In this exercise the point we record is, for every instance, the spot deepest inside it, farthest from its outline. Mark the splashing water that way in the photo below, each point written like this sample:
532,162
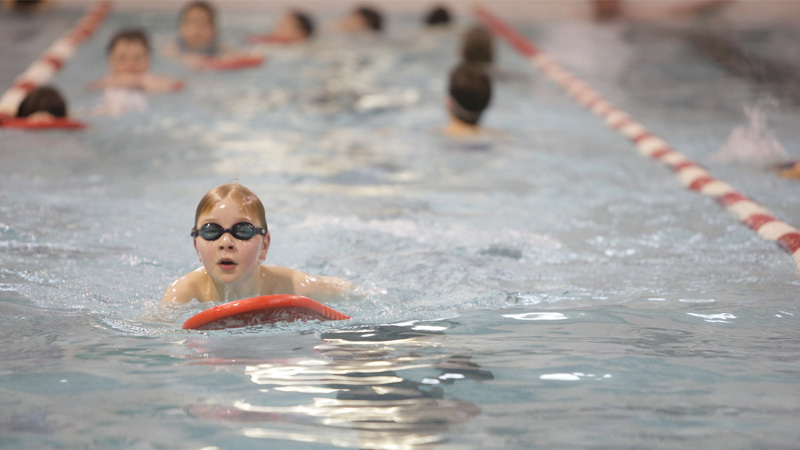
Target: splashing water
752,142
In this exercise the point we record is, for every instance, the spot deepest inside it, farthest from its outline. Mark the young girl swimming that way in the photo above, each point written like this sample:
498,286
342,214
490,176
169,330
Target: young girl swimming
231,238
197,32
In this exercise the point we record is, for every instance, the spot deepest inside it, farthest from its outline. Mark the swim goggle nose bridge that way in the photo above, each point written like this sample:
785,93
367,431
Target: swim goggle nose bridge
242,231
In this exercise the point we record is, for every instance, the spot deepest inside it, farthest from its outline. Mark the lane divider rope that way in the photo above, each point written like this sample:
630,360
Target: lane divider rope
54,58
691,175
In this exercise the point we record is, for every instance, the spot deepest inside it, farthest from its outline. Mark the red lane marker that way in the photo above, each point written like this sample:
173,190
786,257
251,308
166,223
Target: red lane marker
662,153
698,184
54,61
757,221
750,213
684,165
25,85
790,242
732,198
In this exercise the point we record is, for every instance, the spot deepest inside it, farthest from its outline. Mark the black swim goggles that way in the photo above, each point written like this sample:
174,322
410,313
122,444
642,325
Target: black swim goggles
242,231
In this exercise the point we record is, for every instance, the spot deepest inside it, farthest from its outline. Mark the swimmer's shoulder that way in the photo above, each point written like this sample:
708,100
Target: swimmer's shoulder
279,280
192,286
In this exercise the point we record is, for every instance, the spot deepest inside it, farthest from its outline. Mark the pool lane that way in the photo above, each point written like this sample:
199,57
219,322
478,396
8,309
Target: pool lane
691,174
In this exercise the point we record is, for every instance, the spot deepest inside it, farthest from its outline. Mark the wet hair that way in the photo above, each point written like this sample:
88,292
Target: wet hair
205,6
244,197
438,16
471,90
373,18
305,22
477,46
43,98
129,34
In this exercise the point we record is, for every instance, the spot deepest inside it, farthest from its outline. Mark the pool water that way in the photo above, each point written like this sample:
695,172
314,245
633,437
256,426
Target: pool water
543,288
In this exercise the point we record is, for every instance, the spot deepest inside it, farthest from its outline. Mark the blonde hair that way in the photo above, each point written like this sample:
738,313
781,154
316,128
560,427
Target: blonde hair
244,197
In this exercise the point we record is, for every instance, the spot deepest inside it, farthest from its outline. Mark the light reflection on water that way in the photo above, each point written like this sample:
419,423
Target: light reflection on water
372,388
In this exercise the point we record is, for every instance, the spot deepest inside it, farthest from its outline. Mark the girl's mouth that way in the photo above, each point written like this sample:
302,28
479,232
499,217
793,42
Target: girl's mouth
226,264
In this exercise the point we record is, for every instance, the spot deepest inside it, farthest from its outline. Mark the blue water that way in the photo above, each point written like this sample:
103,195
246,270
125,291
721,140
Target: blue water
547,288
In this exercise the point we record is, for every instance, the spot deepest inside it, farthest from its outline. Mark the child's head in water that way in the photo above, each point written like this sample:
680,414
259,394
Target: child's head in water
237,212
43,101
470,91
363,18
295,25
129,52
438,16
197,29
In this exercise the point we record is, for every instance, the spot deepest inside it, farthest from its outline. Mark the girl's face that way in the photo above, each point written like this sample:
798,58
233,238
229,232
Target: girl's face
196,29
129,56
228,260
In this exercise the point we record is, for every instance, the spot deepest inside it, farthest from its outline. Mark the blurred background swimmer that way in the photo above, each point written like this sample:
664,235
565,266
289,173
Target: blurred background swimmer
42,108
197,34
27,6
43,104
363,18
128,76
439,16
198,45
128,55
293,27
470,90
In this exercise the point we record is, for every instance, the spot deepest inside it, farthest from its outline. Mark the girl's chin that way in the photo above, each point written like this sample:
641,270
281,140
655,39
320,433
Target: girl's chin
227,277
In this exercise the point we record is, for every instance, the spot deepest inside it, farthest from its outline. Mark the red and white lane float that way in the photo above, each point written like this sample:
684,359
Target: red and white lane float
691,174
54,58
264,310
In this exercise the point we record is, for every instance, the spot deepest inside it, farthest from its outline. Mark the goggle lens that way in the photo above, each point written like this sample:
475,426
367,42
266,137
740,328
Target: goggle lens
242,231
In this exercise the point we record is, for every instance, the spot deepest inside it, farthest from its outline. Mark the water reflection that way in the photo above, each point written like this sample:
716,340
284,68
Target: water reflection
379,388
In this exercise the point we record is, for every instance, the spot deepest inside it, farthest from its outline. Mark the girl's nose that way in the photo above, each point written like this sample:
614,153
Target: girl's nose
226,241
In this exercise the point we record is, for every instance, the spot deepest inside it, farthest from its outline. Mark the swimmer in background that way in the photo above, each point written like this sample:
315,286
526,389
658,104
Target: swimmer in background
128,55
361,19
197,34
470,91
43,104
293,27
27,6
198,37
439,16
231,239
